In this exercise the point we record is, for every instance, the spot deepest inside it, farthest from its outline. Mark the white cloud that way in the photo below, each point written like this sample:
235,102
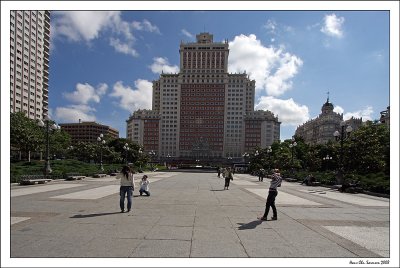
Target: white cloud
86,26
132,99
333,25
125,48
72,114
85,93
365,114
272,68
162,65
82,25
186,33
338,109
288,112
271,26
145,25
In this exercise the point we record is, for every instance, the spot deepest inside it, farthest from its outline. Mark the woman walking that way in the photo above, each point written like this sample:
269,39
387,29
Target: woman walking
127,187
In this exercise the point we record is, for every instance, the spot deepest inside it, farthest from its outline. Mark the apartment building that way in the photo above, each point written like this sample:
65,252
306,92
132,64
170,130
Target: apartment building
29,62
88,131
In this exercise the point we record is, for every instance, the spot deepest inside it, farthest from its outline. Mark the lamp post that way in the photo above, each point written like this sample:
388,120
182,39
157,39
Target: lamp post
291,146
152,155
126,148
47,169
327,158
245,156
102,142
140,158
168,158
269,151
341,136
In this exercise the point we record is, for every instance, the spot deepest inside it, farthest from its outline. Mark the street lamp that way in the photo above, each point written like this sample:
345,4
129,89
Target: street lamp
152,155
168,158
291,146
102,142
341,136
140,157
327,158
269,151
47,168
126,148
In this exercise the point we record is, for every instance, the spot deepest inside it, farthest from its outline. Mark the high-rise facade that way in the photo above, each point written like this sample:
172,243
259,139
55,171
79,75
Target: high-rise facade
204,112
29,62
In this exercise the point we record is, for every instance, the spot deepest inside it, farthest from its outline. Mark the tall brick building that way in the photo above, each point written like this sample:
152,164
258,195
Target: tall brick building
203,112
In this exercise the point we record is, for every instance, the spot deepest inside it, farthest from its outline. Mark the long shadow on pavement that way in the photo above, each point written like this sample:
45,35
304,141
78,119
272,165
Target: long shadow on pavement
250,225
94,215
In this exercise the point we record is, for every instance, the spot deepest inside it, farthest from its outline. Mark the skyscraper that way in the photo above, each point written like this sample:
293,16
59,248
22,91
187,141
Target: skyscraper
29,62
203,112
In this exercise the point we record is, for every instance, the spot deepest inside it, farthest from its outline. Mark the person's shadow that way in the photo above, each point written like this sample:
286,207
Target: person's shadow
250,225
80,216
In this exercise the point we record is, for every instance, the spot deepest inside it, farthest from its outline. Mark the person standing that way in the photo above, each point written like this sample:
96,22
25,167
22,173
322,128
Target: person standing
126,188
144,186
261,175
272,193
228,177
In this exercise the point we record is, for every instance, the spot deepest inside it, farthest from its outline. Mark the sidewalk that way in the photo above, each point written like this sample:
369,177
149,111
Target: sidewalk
189,215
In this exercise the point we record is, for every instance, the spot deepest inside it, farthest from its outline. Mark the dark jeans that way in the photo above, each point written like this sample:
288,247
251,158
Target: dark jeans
227,180
271,203
128,190
143,191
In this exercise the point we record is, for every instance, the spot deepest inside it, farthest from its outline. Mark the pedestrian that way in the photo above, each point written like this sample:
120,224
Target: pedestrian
228,177
261,175
272,193
219,172
127,187
144,186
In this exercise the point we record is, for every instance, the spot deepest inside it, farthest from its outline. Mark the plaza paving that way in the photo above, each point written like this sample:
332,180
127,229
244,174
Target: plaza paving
189,215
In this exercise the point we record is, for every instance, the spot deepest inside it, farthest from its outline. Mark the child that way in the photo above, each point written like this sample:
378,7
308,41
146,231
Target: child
144,186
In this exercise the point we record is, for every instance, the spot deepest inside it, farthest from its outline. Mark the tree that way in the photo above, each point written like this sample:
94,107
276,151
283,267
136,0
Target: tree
368,151
59,142
25,134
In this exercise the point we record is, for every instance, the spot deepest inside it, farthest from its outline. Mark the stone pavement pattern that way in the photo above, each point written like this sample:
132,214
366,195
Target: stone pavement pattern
190,215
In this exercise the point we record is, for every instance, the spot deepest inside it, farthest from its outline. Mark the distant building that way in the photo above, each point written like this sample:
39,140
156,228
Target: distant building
385,116
143,126
320,130
203,112
88,131
29,62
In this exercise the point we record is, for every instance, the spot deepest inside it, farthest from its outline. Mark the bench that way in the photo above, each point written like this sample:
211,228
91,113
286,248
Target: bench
74,176
32,179
290,179
99,175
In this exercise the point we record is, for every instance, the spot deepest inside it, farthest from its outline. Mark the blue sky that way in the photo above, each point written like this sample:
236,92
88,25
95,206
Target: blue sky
102,62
